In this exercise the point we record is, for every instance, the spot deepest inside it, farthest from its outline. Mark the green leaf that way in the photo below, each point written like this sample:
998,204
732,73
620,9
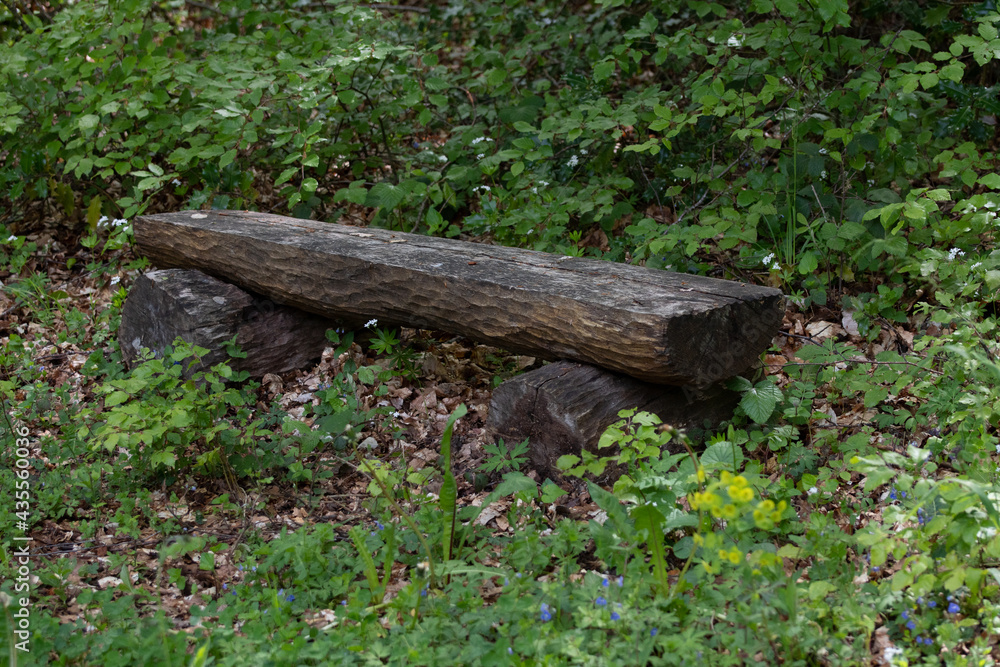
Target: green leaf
875,396
287,174
604,69
115,398
884,195
227,158
385,196
88,122
808,263
447,496
496,76
991,181
649,519
760,401
335,423
725,455
851,230
551,492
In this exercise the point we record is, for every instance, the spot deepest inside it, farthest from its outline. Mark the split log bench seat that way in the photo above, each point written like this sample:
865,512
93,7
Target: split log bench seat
658,327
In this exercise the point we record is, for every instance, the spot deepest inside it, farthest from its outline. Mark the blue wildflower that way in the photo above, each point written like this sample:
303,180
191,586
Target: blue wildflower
510,651
910,625
606,582
546,614
600,601
653,632
928,641
621,580
423,592
905,614
932,604
379,525
615,616
953,608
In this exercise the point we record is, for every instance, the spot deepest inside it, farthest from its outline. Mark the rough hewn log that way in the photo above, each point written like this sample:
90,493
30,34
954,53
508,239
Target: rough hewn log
564,407
207,312
655,325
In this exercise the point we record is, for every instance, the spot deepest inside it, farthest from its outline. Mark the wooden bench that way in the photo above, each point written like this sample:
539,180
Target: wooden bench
616,321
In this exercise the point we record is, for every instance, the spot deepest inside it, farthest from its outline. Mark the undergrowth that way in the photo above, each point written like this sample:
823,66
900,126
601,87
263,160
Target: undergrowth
847,513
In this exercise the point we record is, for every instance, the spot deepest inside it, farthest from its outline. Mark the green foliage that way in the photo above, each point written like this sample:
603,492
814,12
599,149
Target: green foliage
841,151
161,421
133,97
501,458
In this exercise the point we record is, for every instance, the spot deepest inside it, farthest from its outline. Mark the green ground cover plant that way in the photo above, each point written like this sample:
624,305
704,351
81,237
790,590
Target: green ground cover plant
847,514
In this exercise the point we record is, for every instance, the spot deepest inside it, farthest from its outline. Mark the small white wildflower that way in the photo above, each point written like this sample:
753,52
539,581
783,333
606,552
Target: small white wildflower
371,323
543,183
735,40
822,174
573,161
768,259
534,191
583,151
118,222
115,280
485,188
11,238
395,414
102,221
973,268
480,156
442,158
823,151
953,253
812,491
175,182
871,182
478,140
889,654
546,21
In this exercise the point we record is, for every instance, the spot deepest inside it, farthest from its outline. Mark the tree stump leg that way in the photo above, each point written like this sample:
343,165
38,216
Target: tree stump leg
164,305
564,407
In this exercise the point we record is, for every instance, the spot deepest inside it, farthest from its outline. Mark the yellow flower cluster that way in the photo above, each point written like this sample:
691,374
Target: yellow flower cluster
737,489
730,497
767,513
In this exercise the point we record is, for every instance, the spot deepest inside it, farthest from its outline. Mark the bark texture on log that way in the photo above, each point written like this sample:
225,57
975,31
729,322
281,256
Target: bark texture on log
654,325
207,312
564,407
